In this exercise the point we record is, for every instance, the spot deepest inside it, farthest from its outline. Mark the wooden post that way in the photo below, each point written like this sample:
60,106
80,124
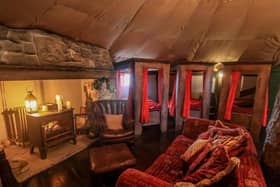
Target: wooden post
207,92
165,98
138,74
180,90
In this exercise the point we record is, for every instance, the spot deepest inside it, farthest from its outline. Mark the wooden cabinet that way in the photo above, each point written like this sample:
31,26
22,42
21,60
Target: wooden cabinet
47,129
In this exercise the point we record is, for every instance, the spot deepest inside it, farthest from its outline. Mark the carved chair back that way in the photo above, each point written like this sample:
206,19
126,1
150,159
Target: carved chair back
101,107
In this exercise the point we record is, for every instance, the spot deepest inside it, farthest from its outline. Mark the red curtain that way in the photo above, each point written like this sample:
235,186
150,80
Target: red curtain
144,118
171,103
265,111
187,98
235,76
122,83
160,79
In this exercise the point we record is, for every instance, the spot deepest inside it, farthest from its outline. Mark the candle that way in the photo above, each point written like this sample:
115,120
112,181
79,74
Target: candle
44,108
68,105
58,99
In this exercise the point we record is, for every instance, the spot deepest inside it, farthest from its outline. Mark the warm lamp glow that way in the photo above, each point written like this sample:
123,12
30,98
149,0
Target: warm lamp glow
220,74
217,67
31,103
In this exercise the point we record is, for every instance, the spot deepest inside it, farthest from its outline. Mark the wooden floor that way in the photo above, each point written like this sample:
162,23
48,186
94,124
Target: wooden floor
75,172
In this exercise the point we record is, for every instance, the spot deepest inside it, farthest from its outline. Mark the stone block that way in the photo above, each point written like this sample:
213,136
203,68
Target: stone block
19,35
20,46
28,48
19,58
7,45
49,49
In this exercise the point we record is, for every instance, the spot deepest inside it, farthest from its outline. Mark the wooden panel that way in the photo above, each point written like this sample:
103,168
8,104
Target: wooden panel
168,17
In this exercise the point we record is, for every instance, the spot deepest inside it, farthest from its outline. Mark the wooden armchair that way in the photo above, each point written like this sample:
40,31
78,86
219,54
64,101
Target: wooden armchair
97,118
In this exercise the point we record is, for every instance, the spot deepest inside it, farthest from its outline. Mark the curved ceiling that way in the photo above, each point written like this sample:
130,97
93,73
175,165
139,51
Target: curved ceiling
196,30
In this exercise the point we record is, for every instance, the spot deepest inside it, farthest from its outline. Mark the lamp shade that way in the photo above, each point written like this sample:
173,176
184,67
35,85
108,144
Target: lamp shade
31,103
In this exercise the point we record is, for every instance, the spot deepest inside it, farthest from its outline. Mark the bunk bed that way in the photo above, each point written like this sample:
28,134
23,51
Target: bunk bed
186,104
235,107
146,110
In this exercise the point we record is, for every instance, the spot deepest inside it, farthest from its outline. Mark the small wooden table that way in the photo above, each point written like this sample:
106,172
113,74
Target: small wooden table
38,128
110,158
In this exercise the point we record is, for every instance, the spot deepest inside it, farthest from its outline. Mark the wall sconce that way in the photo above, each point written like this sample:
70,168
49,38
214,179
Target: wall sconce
217,67
31,103
220,74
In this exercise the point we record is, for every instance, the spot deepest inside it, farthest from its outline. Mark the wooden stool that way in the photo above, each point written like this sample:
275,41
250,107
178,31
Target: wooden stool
109,158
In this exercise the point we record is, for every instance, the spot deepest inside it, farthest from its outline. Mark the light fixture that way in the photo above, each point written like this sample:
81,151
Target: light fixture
220,74
31,103
217,67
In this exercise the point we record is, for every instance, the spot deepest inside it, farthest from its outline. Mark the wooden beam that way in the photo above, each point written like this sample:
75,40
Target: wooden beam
19,73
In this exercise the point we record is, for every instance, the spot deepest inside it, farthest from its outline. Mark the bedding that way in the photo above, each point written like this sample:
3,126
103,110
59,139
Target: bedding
153,106
196,104
243,110
243,105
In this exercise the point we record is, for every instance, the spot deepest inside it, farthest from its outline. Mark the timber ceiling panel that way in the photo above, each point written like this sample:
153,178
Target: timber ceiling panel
197,30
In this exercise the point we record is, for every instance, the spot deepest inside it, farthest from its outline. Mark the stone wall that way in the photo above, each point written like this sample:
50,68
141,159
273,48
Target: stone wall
271,149
41,49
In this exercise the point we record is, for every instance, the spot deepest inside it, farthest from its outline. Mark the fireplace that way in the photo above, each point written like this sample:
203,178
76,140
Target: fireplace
48,129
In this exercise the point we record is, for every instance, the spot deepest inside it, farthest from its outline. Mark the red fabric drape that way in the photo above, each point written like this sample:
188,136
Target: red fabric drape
171,103
187,98
235,76
160,77
265,111
144,118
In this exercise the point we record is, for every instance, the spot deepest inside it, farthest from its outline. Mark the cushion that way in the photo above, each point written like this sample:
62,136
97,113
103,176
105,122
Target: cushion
196,147
108,133
234,161
215,162
179,146
167,168
114,121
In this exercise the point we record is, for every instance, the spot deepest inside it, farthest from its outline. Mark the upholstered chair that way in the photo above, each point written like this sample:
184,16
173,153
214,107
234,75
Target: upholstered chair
97,116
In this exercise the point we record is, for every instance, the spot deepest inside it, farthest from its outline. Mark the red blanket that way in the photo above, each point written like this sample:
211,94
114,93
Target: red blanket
153,106
196,104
